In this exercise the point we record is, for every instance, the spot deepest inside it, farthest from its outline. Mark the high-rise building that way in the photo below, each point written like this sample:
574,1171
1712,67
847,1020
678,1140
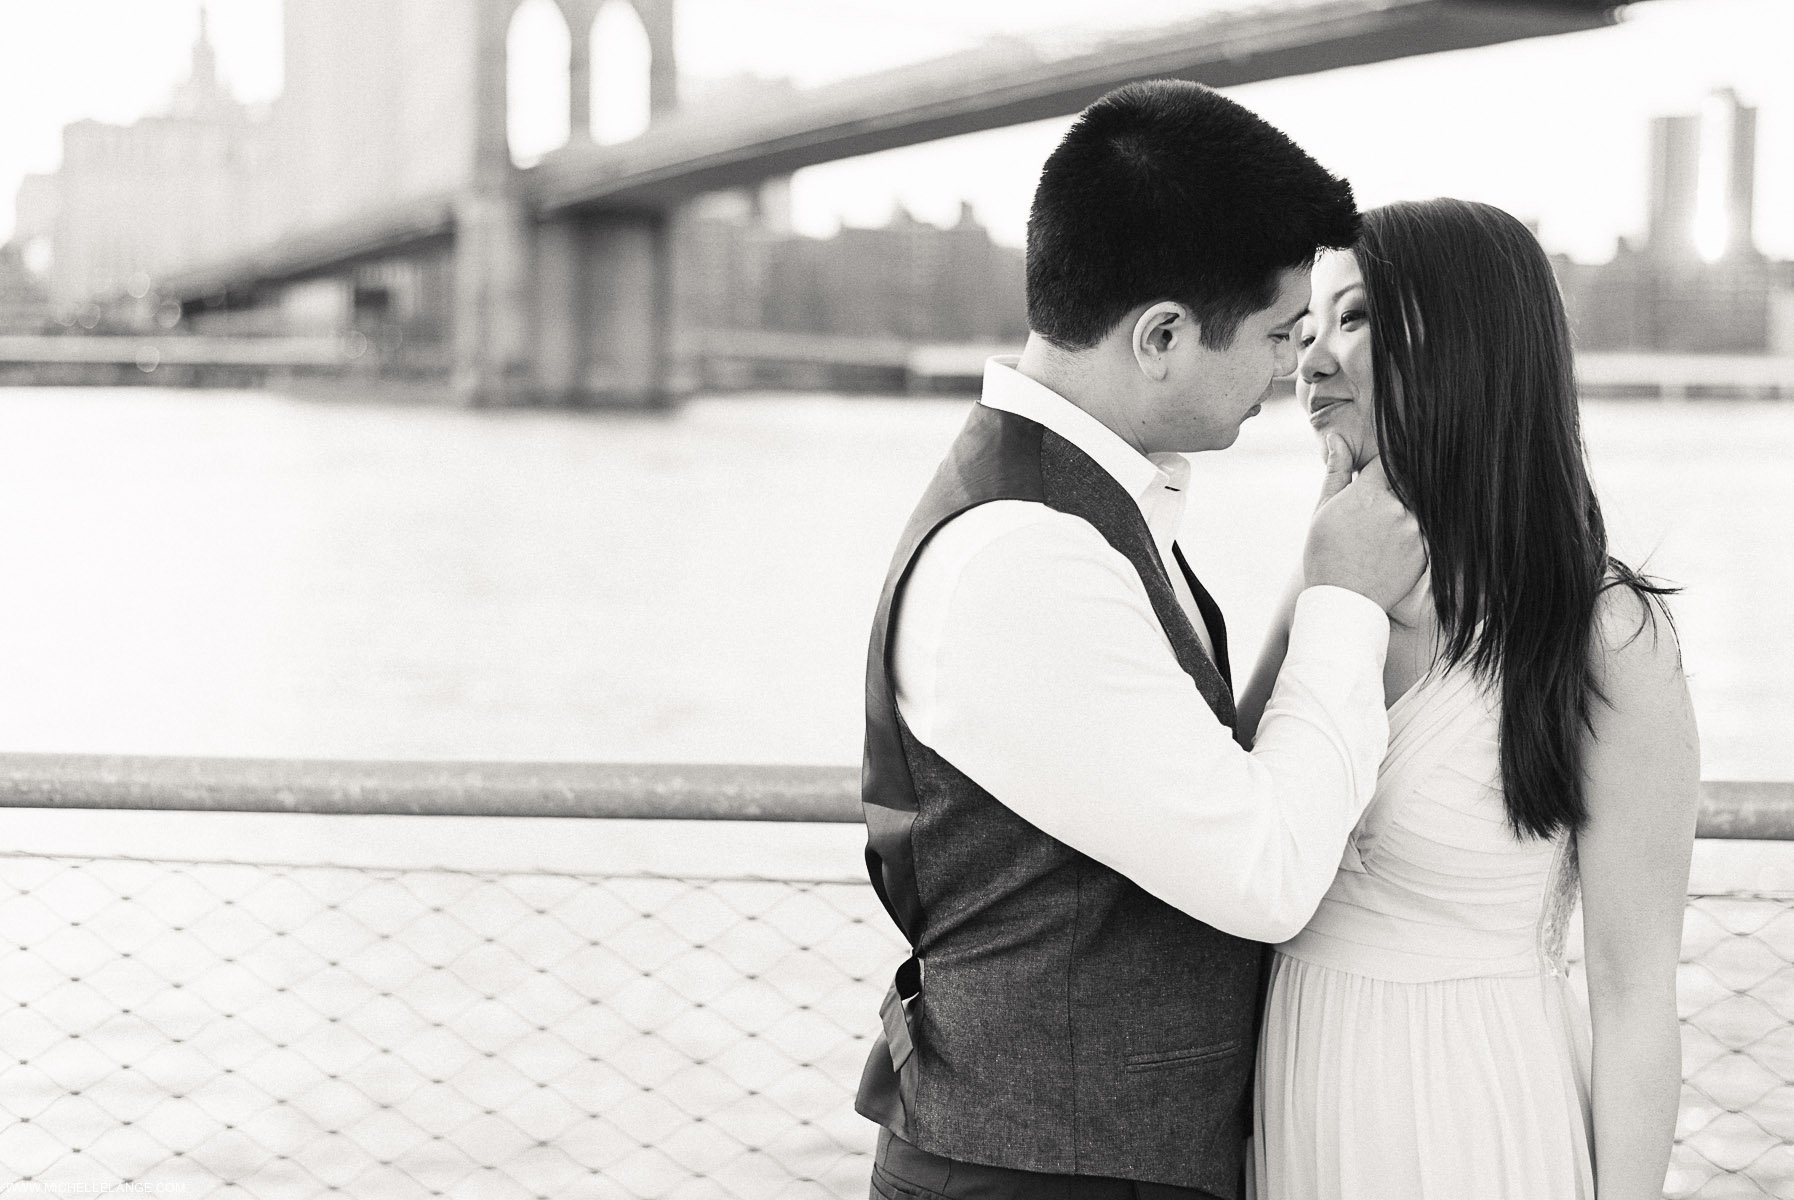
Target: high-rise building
1716,148
359,131
1675,184
1686,290
131,201
1741,176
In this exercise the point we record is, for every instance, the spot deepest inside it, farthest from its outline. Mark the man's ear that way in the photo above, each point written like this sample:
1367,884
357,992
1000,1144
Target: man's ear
1157,332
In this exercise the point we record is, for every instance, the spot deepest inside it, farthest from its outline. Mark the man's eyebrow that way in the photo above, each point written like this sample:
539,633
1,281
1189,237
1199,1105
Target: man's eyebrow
1295,318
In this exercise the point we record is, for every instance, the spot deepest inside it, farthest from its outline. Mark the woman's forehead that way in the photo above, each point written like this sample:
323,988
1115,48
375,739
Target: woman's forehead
1335,273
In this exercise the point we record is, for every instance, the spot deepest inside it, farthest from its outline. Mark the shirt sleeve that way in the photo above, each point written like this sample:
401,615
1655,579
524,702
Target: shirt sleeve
1040,671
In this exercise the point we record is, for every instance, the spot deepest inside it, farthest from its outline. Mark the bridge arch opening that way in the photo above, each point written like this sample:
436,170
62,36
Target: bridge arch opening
622,68
538,81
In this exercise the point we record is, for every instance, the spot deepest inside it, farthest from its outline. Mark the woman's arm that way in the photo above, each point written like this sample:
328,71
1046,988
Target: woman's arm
1250,708
1642,772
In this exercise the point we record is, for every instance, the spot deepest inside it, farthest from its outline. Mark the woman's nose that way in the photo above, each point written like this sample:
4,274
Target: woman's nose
1316,362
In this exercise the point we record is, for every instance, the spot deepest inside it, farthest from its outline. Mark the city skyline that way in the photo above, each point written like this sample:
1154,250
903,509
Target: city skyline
1573,168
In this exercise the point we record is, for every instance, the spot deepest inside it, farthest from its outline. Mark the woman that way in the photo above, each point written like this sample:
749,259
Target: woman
1420,1040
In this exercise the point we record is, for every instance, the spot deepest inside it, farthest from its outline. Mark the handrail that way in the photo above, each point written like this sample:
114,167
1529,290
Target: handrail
1730,809
695,791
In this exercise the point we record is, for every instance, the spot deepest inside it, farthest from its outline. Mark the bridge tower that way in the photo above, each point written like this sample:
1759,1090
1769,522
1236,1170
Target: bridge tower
575,309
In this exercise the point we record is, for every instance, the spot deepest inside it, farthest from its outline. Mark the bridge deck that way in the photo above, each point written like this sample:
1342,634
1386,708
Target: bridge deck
697,150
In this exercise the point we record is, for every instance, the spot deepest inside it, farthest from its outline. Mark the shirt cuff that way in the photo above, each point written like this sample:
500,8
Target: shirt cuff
1337,625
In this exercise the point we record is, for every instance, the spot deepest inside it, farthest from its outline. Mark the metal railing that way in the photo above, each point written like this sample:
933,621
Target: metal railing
213,1024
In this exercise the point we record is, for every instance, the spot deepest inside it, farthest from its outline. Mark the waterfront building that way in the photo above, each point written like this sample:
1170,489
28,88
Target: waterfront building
725,257
358,131
740,267
1696,284
24,301
131,201
1674,186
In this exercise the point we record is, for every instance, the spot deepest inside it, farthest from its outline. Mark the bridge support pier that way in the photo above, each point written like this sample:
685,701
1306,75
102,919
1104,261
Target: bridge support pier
602,310
493,266
576,308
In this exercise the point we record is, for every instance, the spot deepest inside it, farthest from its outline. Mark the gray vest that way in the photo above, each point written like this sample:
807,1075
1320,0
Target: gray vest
1054,1017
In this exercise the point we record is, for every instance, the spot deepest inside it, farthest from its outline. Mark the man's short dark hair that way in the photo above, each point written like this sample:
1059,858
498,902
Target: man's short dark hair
1167,190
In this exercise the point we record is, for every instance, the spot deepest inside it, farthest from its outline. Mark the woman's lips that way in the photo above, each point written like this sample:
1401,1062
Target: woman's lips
1321,406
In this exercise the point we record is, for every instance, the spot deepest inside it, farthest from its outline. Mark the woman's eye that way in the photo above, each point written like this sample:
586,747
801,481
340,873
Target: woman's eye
1351,316
1307,340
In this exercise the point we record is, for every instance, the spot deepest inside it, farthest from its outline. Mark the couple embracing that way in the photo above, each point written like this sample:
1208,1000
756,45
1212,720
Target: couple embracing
1303,941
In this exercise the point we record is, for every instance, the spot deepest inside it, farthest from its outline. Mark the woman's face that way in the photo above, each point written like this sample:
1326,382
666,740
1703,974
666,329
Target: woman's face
1333,375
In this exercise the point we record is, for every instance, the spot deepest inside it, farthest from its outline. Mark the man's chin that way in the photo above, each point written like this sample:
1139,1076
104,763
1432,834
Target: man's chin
1233,435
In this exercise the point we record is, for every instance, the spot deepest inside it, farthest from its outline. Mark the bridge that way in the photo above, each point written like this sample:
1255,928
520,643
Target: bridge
561,272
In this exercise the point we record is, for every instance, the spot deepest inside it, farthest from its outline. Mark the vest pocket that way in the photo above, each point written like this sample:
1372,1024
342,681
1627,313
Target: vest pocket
1158,1060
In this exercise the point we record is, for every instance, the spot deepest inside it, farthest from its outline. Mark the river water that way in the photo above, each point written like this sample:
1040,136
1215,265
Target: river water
251,573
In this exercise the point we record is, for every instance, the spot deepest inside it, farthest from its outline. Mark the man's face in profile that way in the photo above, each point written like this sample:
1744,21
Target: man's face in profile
1208,393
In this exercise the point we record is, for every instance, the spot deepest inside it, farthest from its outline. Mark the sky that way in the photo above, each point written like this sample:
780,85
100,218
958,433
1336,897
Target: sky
1554,130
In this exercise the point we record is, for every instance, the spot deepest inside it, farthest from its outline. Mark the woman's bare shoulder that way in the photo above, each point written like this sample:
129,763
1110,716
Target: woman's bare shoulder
1638,673
1634,631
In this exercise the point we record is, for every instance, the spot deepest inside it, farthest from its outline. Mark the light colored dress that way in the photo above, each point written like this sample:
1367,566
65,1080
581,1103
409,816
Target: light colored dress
1420,1040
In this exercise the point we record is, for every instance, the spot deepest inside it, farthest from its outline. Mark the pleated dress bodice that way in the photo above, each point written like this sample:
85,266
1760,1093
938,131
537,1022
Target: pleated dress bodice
1433,884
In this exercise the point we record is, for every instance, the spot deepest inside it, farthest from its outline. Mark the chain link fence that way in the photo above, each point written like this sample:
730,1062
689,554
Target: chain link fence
213,1029
279,1031
1735,993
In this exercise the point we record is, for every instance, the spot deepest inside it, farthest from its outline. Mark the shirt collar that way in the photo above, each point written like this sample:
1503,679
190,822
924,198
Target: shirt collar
1008,389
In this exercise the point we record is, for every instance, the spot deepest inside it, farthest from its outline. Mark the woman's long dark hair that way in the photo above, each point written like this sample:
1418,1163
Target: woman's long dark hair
1477,419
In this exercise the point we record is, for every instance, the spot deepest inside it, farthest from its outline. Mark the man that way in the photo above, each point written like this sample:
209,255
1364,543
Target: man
1083,859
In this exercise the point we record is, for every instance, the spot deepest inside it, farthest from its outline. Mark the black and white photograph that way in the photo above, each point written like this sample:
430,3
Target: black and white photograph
945,600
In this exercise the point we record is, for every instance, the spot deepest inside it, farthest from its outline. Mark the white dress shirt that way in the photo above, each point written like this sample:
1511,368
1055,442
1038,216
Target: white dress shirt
1027,654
